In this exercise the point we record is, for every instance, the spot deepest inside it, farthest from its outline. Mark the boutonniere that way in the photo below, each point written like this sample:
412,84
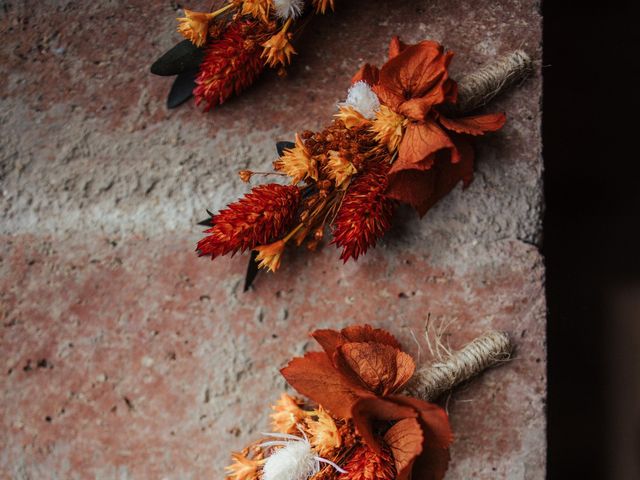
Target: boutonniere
403,135
225,50
365,411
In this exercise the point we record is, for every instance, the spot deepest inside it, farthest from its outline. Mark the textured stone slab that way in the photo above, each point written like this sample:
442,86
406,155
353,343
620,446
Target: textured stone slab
125,356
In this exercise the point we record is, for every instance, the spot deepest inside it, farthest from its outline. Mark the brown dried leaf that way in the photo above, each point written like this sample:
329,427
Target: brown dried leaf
405,439
315,377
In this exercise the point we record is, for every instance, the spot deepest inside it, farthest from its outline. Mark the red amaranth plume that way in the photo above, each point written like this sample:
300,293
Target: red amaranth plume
262,216
365,213
365,464
231,64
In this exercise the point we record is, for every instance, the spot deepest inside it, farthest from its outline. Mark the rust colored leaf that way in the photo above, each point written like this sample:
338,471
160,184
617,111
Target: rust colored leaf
434,421
382,369
476,125
423,188
330,340
396,47
315,377
405,439
368,73
418,147
369,410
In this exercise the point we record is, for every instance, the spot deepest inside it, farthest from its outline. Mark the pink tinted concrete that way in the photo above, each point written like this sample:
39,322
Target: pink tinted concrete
125,356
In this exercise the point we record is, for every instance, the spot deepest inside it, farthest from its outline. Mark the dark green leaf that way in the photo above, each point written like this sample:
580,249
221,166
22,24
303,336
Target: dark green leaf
252,271
182,88
183,57
282,146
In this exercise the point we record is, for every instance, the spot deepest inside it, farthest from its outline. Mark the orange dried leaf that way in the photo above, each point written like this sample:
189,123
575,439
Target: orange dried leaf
381,368
367,411
405,440
423,188
476,125
315,377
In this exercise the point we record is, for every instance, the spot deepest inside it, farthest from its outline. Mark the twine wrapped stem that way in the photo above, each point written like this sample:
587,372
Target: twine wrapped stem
479,87
483,352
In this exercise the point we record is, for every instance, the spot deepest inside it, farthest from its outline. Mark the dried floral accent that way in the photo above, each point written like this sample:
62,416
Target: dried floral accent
415,83
295,460
278,48
269,255
388,127
246,465
363,99
232,62
261,216
245,175
365,464
321,6
297,163
194,26
358,377
323,431
288,9
258,9
287,414
365,213
351,117
339,168
348,370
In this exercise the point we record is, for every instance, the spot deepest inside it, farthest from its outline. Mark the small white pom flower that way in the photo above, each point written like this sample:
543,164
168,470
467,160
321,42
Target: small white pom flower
295,460
362,99
288,8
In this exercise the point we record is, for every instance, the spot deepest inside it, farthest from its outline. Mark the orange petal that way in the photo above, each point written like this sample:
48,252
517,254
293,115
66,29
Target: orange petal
368,410
367,73
476,125
420,142
381,369
315,377
416,70
423,188
405,440
330,340
396,47
434,421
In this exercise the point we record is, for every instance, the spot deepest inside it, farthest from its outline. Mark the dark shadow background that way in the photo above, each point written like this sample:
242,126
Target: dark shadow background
592,237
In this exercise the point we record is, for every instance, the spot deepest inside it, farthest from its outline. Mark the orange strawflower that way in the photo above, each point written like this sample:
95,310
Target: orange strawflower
244,468
323,432
351,117
338,168
287,415
245,175
278,48
388,127
297,163
259,9
194,26
269,255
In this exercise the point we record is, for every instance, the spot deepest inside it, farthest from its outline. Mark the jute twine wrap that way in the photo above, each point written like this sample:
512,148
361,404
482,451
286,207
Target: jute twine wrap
478,88
483,352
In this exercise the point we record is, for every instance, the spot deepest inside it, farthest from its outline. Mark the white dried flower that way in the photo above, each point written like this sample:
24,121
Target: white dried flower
294,460
362,99
288,8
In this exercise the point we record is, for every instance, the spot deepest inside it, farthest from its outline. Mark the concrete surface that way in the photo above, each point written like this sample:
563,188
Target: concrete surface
126,356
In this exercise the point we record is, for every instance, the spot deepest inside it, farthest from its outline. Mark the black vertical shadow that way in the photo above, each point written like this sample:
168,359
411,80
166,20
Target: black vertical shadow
592,222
